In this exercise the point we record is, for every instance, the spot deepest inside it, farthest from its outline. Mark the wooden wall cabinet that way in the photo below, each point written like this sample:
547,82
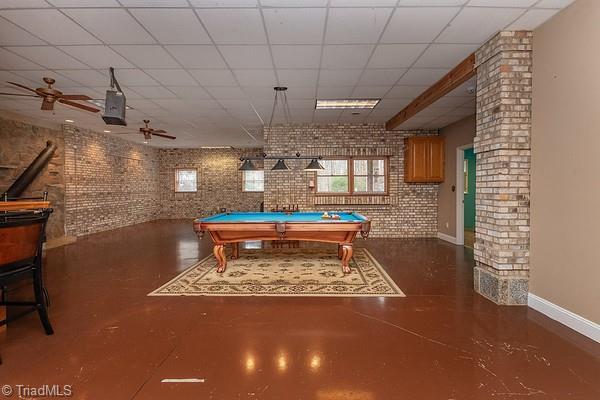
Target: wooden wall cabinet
424,159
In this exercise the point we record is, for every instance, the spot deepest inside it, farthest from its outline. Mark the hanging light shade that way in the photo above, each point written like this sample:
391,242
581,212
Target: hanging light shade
314,165
280,166
248,166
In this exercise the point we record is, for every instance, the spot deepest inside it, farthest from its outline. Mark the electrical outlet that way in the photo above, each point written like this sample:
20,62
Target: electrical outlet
447,224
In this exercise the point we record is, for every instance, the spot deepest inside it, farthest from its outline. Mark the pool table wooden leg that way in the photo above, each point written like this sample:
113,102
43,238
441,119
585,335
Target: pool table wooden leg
340,251
219,252
235,251
347,252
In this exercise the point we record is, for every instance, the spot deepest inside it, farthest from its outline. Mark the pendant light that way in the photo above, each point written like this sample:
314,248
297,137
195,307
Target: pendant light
248,166
280,166
314,166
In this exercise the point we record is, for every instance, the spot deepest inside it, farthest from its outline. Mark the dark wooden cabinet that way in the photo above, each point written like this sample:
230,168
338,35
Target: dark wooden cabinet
424,159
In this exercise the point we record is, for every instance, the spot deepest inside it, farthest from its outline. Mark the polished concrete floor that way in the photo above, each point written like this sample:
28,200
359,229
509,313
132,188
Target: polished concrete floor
440,342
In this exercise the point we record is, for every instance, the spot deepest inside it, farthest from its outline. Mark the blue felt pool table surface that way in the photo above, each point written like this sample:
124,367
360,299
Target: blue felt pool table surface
283,217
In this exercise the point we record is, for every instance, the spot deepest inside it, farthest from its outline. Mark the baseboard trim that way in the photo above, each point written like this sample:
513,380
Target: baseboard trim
447,238
576,322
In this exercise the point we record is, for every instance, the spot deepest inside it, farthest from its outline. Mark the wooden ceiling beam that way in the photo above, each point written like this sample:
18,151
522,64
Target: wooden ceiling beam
459,75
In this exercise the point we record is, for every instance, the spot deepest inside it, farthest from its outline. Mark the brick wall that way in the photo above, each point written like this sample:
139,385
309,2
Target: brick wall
410,210
219,182
20,144
110,182
502,145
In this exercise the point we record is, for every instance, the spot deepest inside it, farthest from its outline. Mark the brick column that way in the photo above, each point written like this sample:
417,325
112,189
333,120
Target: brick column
502,146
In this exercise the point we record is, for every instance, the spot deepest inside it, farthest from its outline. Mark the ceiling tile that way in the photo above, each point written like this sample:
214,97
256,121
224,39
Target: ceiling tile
428,3
301,92
86,77
12,77
113,26
24,4
154,3
346,56
255,77
197,56
451,101
503,3
172,77
532,19
334,92
224,3
44,23
154,92
445,55
295,25
92,92
339,77
172,26
395,55
259,93
363,3
9,60
233,26
402,91
49,57
370,92
97,56
134,77
298,77
12,35
553,3
143,104
293,3
417,24
189,92
299,56
84,3
214,77
393,104
247,56
422,76
37,75
226,92
149,56
476,24
355,25
381,76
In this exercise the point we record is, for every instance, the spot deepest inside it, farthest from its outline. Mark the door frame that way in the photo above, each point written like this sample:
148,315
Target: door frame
460,193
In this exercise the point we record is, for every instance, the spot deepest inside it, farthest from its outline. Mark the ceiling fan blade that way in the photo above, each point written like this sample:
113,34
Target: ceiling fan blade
22,86
158,131
83,107
75,97
163,135
18,94
47,105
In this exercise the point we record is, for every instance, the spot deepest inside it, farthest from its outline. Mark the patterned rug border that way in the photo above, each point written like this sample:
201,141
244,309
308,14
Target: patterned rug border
384,275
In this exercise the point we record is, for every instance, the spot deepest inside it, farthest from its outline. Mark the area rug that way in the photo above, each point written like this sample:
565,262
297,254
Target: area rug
284,272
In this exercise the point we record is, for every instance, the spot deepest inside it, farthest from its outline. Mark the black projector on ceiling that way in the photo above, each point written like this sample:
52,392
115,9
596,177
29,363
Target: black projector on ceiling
114,108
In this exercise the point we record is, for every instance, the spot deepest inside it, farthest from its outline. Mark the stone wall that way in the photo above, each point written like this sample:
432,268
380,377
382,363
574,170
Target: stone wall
20,144
409,210
502,145
110,182
219,182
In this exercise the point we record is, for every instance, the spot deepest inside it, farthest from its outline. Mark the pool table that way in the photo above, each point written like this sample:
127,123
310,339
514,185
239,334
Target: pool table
235,227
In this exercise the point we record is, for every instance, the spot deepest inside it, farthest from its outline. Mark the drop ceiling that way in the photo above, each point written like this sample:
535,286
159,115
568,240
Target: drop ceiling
204,70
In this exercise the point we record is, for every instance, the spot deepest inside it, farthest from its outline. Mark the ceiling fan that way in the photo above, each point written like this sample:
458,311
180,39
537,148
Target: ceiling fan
51,96
148,132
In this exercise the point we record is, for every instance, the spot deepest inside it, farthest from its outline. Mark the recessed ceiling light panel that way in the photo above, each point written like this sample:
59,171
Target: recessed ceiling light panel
333,104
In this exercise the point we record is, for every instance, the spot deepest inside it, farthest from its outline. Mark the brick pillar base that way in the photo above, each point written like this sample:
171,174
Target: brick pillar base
501,287
502,146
